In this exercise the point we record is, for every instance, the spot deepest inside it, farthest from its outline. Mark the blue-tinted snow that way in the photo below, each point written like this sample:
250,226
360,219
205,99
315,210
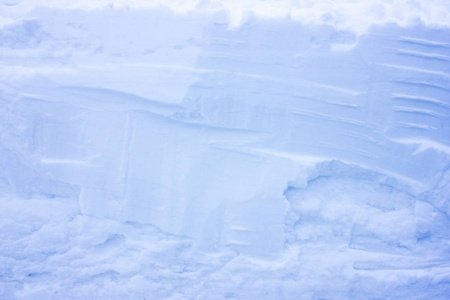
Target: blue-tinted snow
147,154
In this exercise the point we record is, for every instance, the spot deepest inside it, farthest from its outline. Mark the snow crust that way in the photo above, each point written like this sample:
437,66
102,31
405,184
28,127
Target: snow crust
357,16
224,150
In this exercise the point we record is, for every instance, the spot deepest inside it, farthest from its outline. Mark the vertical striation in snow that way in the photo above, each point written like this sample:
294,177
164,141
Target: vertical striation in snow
210,155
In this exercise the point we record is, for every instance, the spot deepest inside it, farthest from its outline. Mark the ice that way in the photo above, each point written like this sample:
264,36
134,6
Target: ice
224,150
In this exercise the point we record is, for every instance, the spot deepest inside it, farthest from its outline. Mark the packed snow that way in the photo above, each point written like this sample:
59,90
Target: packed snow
224,149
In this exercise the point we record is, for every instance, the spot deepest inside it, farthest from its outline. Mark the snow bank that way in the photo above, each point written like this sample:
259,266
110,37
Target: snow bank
211,150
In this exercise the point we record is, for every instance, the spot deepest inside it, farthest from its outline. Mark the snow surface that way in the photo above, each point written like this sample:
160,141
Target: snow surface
224,149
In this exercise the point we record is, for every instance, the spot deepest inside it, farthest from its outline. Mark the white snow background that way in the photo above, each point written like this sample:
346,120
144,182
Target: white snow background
225,149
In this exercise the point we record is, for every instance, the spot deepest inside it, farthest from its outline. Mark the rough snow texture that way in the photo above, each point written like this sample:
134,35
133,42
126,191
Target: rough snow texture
153,154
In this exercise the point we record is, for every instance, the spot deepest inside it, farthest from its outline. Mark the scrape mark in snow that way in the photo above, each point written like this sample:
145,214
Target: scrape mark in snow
423,84
51,161
420,70
424,55
336,88
330,118
424,145
416,110
415,126
424,99
239,228
238,243
400,265
424,42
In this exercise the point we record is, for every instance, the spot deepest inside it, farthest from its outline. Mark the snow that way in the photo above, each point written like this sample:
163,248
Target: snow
224,149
